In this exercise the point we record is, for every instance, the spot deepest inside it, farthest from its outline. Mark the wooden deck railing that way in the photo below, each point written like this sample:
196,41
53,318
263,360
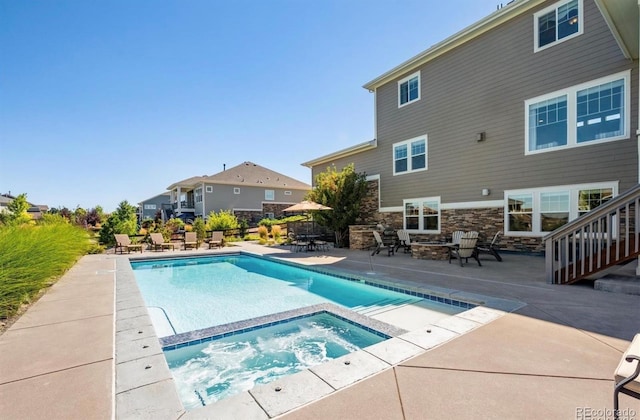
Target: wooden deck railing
604,237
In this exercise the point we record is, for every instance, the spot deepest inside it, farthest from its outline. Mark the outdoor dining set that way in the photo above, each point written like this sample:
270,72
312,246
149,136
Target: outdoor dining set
461,246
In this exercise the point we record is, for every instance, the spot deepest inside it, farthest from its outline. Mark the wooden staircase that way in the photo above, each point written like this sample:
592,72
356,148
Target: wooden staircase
606,236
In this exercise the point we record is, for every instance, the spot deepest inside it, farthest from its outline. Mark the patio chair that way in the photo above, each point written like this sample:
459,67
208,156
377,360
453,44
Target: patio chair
216,240
380,245
626,374
491,247
191,240
404,240
466,249
456,236
123,242
157,242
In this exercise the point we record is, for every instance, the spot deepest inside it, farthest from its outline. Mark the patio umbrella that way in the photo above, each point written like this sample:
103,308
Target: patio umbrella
305,207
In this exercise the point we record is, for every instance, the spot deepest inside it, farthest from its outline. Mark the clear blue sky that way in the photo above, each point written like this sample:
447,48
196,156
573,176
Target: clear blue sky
107,101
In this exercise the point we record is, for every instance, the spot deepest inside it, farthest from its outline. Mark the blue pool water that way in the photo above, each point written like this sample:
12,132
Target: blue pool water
207,372
209,291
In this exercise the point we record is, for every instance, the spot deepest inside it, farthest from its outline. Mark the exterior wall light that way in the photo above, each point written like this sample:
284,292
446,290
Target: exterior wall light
486,191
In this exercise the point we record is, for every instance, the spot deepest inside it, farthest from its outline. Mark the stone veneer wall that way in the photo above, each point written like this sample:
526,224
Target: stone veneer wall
487,221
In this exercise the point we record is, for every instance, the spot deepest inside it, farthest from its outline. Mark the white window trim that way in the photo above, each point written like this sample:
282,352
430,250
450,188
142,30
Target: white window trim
209,188
273,195
287,193
408,144
536,219
421,215
536,32
406,79
572,113
236,190
150,207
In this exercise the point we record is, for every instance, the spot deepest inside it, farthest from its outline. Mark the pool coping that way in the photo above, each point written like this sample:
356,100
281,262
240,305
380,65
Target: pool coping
145,385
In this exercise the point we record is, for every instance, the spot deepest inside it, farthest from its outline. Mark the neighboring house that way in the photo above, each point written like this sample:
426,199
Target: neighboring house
250,191
35,210
148,209
521,122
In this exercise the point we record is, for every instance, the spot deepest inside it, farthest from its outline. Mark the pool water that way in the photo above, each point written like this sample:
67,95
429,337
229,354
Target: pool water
190,294
207,372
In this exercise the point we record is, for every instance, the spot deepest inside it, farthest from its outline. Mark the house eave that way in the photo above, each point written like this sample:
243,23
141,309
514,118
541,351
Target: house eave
358,148
622,19
471,32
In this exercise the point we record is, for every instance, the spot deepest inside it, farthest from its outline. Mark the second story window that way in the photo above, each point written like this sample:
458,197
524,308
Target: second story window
557,23
409,89
588,113
269,195
410,155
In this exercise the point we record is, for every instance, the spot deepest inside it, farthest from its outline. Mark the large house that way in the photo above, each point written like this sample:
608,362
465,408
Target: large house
250,191
519,123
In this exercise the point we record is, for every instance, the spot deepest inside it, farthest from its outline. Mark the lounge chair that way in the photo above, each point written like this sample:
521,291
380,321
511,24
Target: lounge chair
626,375
491,247
216,240
380,245
123,242
157,242
466,249
404,240
191,240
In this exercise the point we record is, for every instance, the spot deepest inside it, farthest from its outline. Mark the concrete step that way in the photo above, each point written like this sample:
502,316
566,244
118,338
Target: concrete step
618,284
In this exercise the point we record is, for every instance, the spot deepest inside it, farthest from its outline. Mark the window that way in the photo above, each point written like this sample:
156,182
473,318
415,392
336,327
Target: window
149,206
287,193
584,114
410,156
422,214
269,195
198,195
539,211
270,216
209,189
409,89
557,23
236,190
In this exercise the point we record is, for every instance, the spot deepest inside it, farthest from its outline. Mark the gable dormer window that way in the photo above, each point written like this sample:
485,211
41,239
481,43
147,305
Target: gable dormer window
557,23
409,89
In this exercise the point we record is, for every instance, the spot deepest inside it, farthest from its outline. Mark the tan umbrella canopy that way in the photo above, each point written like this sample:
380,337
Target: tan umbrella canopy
307,205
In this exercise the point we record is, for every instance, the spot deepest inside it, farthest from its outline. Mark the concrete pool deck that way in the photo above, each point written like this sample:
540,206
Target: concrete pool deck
553,358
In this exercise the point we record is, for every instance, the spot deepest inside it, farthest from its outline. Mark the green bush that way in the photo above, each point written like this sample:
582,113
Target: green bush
31,257
224,220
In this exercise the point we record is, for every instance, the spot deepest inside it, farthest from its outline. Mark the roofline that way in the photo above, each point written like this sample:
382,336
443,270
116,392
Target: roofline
361,147
470,32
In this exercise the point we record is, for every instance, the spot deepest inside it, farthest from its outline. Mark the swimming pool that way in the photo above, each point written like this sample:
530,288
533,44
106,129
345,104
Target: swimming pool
199,305
194,293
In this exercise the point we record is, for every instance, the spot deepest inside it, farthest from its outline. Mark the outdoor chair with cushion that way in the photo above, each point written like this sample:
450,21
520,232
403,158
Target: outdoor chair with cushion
466,249
491,247
626,375
216,240
191,240
380,245
404,240
123,242
157,242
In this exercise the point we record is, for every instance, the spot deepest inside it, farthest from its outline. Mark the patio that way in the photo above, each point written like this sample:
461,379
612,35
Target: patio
553,358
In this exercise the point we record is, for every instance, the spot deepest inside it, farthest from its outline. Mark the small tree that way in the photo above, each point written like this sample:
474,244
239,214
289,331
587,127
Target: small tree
200,228
17,211
123,220
342,191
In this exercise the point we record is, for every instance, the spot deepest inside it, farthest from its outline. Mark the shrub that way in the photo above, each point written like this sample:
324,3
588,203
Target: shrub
224,220
200,228
276,232
263,232
32,256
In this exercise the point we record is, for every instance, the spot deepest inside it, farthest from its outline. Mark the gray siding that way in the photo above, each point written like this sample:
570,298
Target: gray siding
481,87
250,197
158,201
